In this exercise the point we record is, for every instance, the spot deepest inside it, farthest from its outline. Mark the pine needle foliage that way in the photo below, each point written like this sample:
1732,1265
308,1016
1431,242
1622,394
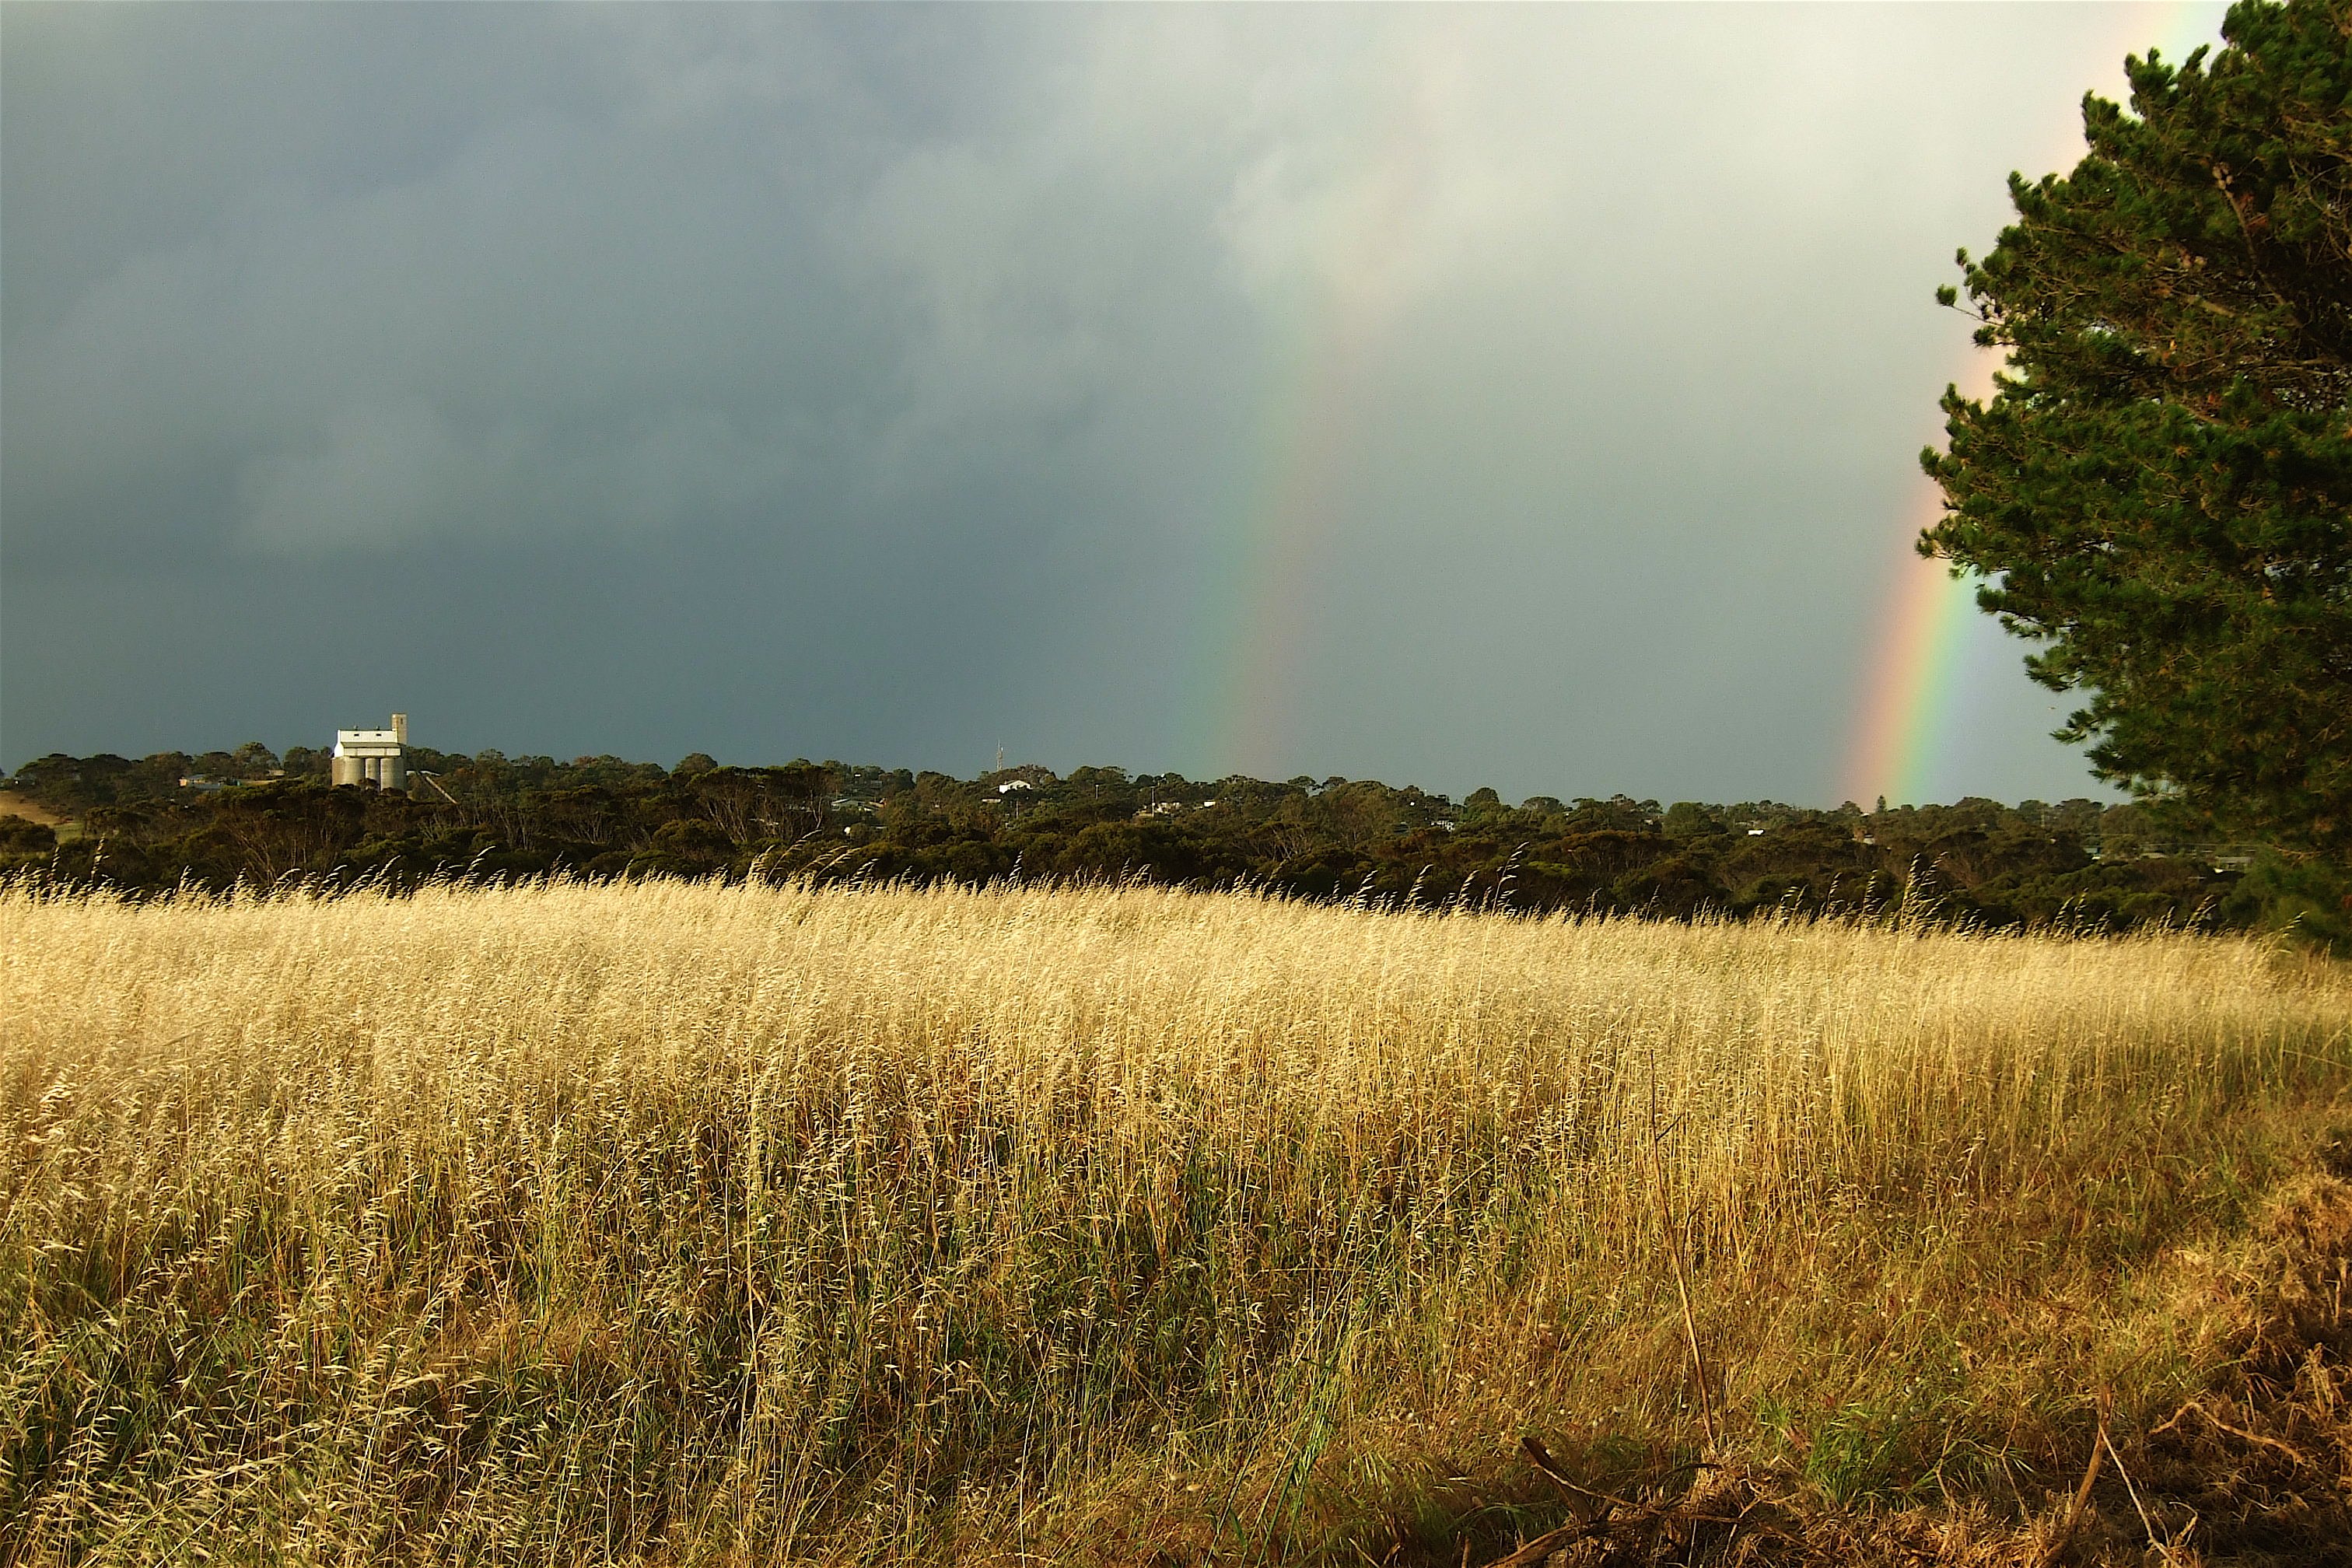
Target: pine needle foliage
2159,490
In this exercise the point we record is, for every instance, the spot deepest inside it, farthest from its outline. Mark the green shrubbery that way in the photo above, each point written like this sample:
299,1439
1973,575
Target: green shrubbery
2077,864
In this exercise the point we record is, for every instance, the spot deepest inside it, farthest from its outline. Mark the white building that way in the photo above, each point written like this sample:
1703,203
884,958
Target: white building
378,757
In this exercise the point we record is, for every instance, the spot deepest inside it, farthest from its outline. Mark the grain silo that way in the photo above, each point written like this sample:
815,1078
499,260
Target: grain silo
378,757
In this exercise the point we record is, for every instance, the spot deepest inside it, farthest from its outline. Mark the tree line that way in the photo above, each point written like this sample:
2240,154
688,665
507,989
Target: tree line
248,816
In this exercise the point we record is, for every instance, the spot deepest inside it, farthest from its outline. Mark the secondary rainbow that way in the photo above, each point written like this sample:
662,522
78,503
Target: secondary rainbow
1286,522
1329,316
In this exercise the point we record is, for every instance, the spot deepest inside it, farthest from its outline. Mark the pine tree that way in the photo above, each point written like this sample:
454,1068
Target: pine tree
2159,491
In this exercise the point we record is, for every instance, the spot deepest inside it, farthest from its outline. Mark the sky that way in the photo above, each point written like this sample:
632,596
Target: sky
1523,396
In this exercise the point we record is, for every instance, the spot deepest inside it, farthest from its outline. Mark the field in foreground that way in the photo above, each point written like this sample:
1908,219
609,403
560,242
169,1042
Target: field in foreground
693,1224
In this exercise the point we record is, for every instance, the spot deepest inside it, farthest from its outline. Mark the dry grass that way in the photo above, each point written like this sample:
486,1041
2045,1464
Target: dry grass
686,1223
30,810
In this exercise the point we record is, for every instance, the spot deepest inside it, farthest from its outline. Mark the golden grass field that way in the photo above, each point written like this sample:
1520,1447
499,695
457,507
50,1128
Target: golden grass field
698,1224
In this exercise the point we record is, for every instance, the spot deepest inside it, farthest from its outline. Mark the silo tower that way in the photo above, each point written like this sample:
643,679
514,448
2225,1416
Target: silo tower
378,757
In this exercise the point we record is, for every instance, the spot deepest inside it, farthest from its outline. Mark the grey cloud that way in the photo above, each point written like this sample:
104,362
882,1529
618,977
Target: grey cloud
894,381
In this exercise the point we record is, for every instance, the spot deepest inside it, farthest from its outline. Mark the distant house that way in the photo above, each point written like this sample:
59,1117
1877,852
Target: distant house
378,757
204,783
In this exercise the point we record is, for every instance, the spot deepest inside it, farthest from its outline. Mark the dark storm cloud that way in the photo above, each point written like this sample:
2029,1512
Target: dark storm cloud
894,383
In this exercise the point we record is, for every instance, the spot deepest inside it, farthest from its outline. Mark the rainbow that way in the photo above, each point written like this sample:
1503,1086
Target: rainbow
1348,283
1256,628
1287,520
1904,724
1905,733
